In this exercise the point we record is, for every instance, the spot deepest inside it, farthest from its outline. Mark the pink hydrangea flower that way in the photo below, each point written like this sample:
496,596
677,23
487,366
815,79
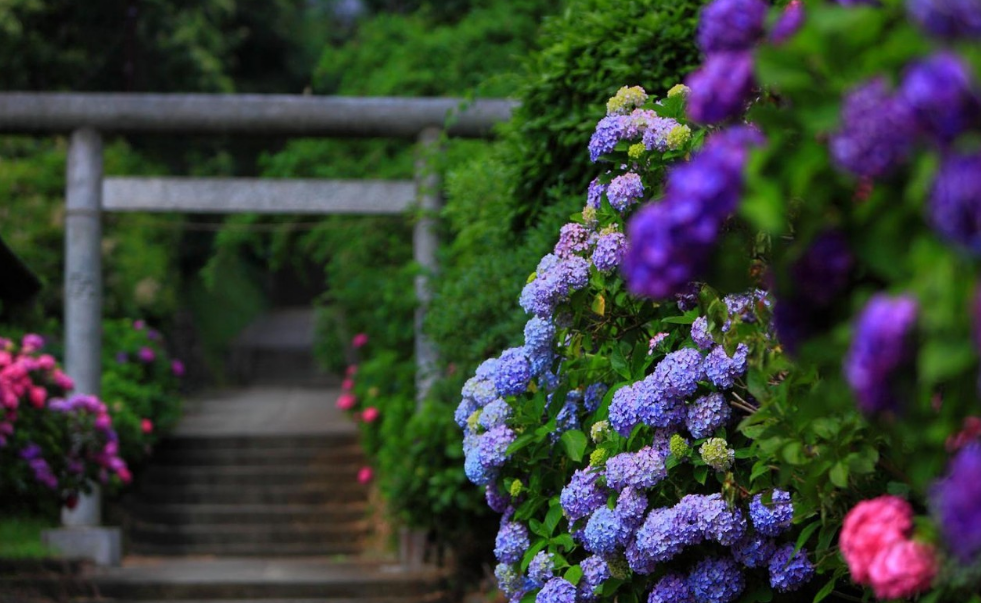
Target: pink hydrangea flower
347,385
38,396
360,340
903,569
346,401
147,355
177,367
364,475
139,324
869,528
146,425
32,342
369,414
352,370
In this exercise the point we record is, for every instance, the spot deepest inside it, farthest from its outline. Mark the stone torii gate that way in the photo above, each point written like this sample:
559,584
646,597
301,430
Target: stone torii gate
88,116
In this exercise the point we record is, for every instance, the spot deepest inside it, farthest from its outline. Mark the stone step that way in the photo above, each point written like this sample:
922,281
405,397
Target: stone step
210,441
248,475
257,494
224,534
342,550
437,597
272,515
318,456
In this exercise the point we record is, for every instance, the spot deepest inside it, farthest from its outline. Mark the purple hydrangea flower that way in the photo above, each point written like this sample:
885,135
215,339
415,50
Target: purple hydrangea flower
706,414
495,500
582,495
624,191
477,472
678,373
790,21
511,542
956,502
718,522
947,18
609,131
955,203
721,88
609,251
540,361
657,405
494,445
880,347
656,135
639,561
716,580
595,571
722,370
822,272
480,390
942,95
509,580
604,532
773,519
877,131
495,414
672,588
486,369
700,333
594,396
557,590
631,507
568,417
513,372
790,571
463,411
731,25
539,334
573,239
541,568
594,194
666,532
642,469
624,414
753,550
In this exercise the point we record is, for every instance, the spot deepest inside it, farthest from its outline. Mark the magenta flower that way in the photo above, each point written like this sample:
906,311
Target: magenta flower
360,340
177,367
147,355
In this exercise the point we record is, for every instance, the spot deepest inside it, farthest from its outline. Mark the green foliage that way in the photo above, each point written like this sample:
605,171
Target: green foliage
20,536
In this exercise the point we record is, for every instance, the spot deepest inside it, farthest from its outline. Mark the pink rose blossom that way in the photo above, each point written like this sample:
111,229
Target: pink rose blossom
369,414
146,425
347,385
871,526
360,340
177,367
903,569
346,402
38,396
364,475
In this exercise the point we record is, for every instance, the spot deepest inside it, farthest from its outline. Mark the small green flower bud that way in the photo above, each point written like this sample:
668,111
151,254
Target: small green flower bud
516,488
626,100
717,454
636,151
598,457
589,216
679,446
677,89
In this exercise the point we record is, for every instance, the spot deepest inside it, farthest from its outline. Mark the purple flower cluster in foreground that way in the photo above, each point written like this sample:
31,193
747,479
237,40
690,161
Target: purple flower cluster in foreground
956,501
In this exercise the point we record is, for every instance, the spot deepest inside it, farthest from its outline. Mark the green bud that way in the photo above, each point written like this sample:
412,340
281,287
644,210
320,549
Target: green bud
679,446
677,89
636,151
598,457
619,568
678,136
516,488
717,454
472,420
600,432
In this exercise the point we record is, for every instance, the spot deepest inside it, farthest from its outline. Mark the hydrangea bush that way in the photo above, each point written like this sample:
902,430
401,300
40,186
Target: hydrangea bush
665,436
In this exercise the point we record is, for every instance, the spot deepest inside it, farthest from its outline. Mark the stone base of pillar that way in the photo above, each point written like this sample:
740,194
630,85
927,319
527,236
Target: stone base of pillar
101,545
412,548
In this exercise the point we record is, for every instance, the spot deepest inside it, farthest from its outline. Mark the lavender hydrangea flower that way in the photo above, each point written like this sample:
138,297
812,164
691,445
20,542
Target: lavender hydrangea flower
788,570
539,334
495,500
511,542
573,239
609,251
790,21
480,390
876,133
477,472
879,348
731,25
486,369
721,88
541,568
624,191
956,502
513,372
706,414
638,559
582,495
753,550
604,532
509,580
657,404
657,133
716,580
594,194
631,507
594,396
672,588
495,414
595,572
623,411
955,202
609,131
557,590
666,532
947,18
494,445
718,521
722,370
678,373
700,333
773,519
942,95
643,469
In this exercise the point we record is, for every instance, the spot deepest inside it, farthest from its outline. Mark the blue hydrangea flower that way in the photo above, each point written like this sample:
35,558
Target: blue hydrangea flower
775,518
624,191
722,370
657,405
609,131
594,194
573,239
877,131
480,390
557,590
478,473
722,87
609,251
494,445
623,411
631,507
753,550
700,333
495,414
594,396
510,581
666,532
731,25
495,500
603,532
513,372
643,469
942,95
463,411
947,18
716,580
678,373
487,369
790,571
568,417
539,334
548,381
955,201
595,572
539,361
706,414
719,522
541,568
638,559
672,588
582,495
956,502
511,542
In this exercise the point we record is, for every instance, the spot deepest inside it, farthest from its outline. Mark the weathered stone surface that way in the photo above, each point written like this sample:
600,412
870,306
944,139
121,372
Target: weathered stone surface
102,546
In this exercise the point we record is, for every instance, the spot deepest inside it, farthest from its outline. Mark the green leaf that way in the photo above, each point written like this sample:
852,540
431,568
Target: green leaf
552,518
599,305
573,574
839,475
530,554
701,474
825,590
565,541
519,443
574,442
619,362
805,534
